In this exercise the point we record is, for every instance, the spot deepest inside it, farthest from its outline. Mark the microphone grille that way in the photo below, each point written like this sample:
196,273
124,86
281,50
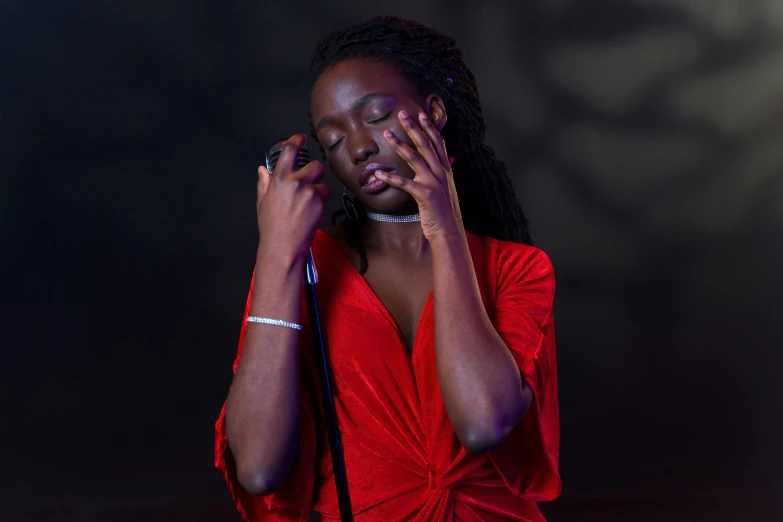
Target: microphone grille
274,154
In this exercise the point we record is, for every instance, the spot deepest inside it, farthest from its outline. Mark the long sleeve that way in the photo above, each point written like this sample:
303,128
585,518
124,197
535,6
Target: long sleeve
528,459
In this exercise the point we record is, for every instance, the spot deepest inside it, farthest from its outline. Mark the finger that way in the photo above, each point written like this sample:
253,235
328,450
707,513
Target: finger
438,144
286,162
262,185
422,142
263,178
310,173
412,157
411,186
323,191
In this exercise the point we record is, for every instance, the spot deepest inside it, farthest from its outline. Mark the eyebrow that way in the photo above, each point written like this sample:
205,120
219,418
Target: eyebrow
364,100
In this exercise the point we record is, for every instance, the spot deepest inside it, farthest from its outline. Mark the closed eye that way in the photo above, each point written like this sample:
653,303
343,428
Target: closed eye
377,120
385,116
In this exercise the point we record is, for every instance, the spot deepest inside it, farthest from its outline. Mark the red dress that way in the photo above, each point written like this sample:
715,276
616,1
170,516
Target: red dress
403,459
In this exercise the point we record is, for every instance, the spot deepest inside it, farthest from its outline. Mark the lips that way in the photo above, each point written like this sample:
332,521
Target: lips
368,174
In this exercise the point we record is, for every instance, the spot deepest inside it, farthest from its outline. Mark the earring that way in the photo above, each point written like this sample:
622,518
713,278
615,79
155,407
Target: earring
352,214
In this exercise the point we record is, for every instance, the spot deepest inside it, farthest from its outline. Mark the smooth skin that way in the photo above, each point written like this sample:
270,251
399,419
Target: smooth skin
367,113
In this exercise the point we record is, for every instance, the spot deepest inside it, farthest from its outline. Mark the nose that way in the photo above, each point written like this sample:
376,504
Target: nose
361,145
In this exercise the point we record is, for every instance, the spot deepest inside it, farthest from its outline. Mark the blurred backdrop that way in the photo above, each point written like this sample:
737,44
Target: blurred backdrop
644,137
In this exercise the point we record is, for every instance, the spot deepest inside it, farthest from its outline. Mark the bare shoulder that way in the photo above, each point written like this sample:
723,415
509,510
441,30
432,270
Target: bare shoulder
337,235
333,231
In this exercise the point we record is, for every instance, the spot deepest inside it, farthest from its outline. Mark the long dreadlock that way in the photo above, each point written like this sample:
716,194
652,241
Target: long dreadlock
433,64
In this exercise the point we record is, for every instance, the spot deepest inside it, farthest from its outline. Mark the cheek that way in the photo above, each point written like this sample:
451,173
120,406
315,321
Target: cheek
339,163
397,129
400,131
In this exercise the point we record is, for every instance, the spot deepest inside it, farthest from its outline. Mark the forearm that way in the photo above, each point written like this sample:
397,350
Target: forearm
262,411
479,379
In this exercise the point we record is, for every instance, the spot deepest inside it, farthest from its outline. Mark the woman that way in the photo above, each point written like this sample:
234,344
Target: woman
436,309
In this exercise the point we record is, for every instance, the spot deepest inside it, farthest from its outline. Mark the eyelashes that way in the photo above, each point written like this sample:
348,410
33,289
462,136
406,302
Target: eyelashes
382,118
377,120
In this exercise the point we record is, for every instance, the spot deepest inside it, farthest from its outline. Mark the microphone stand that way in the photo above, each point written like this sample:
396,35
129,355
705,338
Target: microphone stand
322,359
327,396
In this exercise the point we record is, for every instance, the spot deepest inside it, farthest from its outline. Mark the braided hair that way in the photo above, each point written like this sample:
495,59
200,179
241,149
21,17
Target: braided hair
432,63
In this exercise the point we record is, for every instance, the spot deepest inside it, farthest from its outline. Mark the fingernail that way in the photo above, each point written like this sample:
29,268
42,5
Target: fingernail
380,174
388,133
403,115
423,117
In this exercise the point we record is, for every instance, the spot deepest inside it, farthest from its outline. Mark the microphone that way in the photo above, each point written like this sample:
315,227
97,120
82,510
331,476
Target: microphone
272,155
321,355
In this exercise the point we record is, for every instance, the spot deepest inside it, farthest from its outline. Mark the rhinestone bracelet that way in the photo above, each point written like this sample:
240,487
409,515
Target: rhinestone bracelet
276,322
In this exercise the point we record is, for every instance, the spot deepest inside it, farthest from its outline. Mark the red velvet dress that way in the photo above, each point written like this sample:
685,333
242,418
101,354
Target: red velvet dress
403,459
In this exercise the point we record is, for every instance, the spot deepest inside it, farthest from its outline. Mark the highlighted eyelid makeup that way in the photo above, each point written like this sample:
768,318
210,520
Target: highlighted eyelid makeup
372,120
381,118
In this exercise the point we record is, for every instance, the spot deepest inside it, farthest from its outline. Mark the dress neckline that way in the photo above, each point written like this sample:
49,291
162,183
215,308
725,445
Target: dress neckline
428,304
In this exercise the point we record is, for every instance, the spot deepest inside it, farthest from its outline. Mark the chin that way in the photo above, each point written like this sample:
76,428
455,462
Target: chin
391,201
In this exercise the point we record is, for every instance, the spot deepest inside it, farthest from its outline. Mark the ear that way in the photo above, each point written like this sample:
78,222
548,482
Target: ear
436,111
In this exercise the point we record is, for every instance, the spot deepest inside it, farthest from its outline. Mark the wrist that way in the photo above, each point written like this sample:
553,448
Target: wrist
273,253
447,238
283,265
277,288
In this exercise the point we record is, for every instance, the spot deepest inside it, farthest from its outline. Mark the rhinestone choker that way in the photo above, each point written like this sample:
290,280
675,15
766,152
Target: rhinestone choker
393,219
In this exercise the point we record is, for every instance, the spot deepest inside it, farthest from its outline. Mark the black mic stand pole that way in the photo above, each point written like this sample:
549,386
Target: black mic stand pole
322,359
327,395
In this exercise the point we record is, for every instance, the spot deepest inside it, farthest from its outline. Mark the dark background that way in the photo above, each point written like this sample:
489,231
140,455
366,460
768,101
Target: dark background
645,139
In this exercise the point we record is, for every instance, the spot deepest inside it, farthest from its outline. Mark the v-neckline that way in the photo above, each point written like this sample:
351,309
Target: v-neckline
378,303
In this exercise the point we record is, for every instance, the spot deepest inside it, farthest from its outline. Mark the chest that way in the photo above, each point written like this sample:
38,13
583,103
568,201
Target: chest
400,284
403,288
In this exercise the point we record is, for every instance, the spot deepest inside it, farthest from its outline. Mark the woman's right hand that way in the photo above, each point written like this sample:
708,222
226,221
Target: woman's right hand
290,206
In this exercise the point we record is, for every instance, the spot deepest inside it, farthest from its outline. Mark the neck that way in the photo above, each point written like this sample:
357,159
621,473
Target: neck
407,238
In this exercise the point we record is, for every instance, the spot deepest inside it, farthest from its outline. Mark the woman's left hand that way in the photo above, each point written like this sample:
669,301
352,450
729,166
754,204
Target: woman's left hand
433,184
